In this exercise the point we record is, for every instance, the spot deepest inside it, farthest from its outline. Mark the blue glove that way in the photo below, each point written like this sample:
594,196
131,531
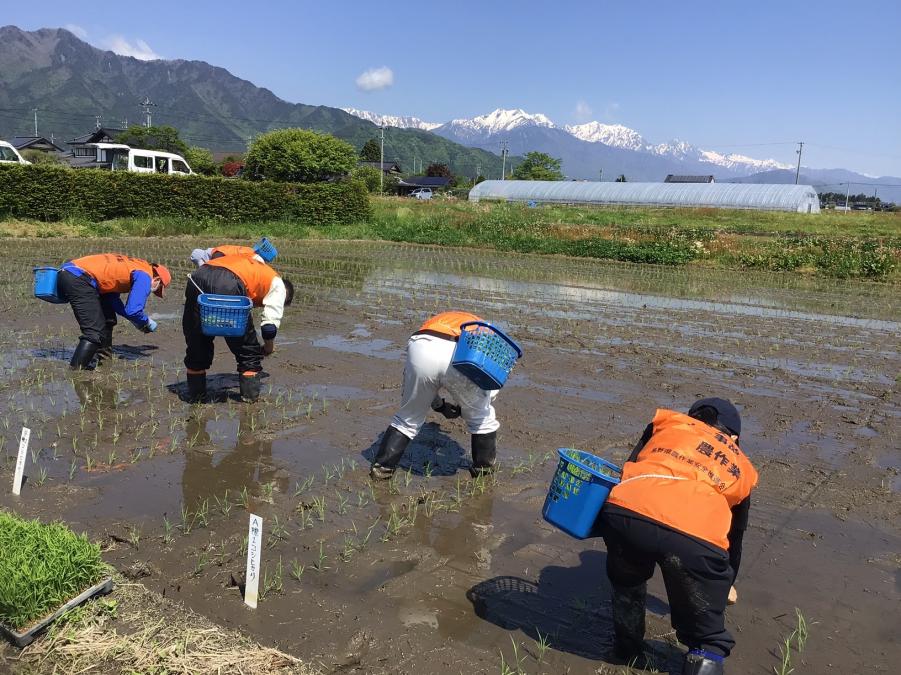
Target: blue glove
150,326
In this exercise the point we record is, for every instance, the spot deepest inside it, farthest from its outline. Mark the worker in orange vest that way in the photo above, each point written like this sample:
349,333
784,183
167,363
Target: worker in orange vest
266,254
234,275
92,285
682,504
428,370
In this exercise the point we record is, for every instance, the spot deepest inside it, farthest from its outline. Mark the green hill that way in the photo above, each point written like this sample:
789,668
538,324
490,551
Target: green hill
70,82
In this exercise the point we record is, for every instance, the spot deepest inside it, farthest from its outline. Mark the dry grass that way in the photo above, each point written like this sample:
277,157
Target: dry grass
142,632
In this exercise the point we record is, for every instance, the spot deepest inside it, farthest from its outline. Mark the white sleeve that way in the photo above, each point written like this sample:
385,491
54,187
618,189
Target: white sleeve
199,256
274,303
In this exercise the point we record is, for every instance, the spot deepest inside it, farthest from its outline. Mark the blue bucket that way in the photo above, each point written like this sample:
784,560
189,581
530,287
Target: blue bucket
224,315
485,355
45,286
265,250
578,491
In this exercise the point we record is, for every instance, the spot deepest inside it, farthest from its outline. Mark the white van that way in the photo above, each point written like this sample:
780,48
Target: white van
125,158
9,154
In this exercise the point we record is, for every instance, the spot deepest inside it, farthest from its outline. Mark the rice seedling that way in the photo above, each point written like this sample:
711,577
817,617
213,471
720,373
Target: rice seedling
244,498
273,583
277,532
187,520
202,513
542,644
300,488
72,467
320,565
42,566
134,537
266,490
42,477
224,505
342,503
319,506
297,569
168,527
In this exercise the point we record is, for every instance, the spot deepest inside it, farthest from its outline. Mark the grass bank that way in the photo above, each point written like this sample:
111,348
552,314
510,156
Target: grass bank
835,244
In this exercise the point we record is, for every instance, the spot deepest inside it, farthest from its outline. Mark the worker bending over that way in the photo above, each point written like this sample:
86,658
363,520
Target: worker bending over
427,370
92,285
234,275
266,254
682,504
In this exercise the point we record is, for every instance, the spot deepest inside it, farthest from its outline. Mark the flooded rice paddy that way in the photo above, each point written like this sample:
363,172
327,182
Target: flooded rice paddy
434,572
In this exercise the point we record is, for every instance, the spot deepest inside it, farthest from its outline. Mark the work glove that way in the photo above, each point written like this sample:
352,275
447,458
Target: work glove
149,327
449,410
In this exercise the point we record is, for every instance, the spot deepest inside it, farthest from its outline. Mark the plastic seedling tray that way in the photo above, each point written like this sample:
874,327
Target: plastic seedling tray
27,636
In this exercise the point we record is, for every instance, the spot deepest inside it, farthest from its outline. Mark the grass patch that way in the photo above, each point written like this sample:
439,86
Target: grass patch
42,566
840,245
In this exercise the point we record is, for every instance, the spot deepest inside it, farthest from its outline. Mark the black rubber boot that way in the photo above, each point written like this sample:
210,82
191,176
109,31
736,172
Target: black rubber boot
105,352
699,662
250,387
84,354
391,449
484,454
628,622
197,387
449,410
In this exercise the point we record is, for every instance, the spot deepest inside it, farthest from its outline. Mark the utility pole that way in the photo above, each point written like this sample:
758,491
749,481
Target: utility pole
146,105
600,175
382,160
798,170
847,195
97,124
504,146
478,171
35,111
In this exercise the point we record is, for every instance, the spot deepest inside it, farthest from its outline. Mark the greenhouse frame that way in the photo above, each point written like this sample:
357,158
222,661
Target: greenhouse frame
799,198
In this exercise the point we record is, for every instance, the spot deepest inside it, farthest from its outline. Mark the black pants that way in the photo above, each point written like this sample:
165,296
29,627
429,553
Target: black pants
93,311
199,347
697,579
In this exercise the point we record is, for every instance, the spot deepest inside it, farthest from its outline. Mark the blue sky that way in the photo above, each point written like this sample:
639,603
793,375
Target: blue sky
723,75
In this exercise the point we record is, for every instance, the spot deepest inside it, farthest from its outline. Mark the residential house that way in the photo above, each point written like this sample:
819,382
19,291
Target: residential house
86,156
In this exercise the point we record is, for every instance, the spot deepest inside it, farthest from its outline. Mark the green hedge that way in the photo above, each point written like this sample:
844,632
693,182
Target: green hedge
56,193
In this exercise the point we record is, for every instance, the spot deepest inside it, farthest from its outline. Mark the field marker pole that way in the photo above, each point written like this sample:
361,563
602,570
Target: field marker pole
20,460
254,547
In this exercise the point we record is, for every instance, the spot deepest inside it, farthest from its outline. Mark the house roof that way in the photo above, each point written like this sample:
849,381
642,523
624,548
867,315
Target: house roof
31,142
673,178
96,135
425,181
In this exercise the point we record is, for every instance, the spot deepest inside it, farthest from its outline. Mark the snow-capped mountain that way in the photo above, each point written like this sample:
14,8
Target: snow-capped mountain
610,134
584,148
401,122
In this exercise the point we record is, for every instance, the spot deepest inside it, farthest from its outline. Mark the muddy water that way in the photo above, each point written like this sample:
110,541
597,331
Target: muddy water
434,573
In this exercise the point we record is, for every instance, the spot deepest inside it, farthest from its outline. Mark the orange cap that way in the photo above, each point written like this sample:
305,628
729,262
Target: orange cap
165,278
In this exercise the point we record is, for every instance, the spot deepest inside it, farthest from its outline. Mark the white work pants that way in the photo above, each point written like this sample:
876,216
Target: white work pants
426,371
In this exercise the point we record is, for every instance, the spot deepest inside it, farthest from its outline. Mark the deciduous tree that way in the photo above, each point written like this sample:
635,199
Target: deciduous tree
538,166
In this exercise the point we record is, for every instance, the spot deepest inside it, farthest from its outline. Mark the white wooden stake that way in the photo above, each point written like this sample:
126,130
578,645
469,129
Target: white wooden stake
254,547
20,460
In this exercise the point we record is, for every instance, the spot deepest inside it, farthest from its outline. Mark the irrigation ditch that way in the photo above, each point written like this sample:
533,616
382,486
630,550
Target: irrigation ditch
434,572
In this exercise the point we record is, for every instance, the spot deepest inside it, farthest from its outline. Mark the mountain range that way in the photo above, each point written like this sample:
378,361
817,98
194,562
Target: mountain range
597,150
74,85
71,82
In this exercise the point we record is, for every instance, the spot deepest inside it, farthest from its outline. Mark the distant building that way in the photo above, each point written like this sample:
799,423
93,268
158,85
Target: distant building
407,185
87,156
23,143
387,168
672,178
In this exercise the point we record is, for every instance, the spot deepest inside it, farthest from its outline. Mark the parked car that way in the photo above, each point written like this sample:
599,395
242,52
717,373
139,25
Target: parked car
422,193
125,158
9,154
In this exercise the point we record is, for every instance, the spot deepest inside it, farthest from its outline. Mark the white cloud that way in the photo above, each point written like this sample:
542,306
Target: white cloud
583,111
138,49
77,31
611,110
376,79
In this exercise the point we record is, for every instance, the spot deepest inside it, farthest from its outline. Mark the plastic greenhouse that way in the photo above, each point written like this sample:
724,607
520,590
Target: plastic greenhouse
800,198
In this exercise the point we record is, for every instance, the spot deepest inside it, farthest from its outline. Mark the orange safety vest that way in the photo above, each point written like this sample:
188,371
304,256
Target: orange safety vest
448,323
112,271
231,249
688,476
256,276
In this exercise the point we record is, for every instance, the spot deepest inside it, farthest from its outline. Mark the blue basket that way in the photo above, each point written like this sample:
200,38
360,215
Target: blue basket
265,250
485,355
224,315
578,491
45,286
